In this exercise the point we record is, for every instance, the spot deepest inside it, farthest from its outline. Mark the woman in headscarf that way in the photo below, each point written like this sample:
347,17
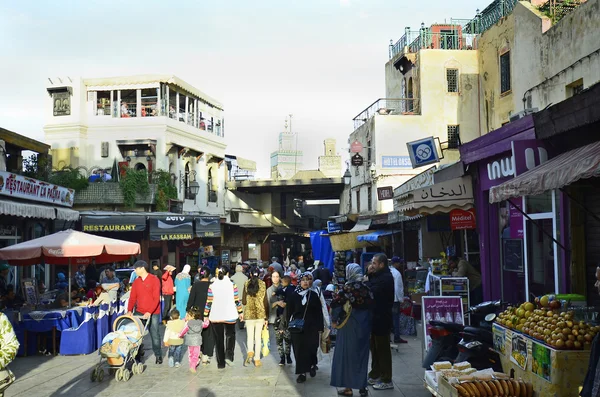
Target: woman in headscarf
351,314
305,305
183,283
223,309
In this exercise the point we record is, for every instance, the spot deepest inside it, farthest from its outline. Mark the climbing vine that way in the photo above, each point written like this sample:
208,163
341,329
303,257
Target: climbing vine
166,189
134,183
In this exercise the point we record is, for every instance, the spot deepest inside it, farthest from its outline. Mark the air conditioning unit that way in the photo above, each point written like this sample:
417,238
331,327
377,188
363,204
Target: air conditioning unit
522,113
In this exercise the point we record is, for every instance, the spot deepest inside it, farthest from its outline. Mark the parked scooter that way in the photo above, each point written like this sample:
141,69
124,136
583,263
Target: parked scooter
477,343
447,336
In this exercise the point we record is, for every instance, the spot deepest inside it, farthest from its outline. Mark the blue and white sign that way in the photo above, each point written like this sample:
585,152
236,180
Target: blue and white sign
333,227
395,162
423,152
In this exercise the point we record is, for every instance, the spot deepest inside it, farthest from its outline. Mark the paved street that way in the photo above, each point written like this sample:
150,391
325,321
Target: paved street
70,376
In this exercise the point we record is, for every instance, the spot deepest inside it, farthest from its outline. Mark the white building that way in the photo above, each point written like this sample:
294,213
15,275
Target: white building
145,122
287,160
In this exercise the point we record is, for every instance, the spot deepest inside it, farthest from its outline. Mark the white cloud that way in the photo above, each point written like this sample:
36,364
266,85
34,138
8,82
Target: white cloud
344,3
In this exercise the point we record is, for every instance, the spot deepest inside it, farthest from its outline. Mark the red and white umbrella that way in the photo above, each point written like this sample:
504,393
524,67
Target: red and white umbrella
69,247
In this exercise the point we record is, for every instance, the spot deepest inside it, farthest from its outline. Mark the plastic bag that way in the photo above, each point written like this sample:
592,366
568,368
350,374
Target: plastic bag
325,341
265,342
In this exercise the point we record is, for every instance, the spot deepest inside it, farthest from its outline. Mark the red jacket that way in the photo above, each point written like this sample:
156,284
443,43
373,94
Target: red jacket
145,295
167,284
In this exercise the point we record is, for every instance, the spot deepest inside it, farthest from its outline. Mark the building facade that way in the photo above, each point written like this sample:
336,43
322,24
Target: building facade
330,163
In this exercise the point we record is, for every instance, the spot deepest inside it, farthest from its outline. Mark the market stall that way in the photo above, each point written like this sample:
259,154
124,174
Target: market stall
546,345
63,248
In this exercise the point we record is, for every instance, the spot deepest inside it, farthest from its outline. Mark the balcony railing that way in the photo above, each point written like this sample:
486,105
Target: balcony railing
413,41
386,106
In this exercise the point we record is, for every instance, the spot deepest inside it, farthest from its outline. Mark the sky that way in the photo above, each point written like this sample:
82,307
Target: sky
320,60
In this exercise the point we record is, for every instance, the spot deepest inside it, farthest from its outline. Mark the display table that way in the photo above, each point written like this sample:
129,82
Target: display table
553,373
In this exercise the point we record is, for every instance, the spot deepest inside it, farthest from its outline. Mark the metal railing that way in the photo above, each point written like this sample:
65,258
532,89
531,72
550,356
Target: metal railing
413,41
463,38
387,106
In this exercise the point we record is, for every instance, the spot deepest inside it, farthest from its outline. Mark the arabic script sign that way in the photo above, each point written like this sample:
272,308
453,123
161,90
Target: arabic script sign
440,308
455,189
19,186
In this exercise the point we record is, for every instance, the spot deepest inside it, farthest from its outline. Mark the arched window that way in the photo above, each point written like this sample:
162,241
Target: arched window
212,194
140,167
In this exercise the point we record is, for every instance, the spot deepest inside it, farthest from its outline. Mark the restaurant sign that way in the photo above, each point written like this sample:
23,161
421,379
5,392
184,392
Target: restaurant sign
117,223
21,187
171,228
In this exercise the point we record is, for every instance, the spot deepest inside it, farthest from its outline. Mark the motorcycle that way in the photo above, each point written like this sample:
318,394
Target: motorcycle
477,343
446,337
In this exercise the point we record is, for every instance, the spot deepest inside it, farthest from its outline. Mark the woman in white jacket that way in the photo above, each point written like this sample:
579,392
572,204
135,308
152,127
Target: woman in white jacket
223,309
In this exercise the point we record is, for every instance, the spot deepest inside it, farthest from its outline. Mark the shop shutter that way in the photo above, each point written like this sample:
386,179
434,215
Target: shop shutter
592,244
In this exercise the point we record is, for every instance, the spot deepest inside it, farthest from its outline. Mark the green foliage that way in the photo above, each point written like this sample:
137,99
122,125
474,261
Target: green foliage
165,190
39,168
134,183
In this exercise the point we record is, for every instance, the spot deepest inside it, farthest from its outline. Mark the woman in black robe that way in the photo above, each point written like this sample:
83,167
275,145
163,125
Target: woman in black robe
305,304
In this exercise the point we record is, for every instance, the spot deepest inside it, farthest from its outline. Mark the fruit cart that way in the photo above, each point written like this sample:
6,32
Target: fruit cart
553,372
545,344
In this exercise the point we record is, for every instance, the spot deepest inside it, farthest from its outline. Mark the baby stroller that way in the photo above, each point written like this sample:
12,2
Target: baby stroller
119,350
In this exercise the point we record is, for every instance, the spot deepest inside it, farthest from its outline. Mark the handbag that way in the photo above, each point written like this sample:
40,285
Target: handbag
265,342
296,325
6,378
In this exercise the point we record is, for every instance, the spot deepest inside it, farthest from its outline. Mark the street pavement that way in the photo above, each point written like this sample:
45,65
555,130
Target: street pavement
43,376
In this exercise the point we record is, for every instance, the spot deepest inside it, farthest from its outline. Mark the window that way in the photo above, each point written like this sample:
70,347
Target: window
358,201
574,88
452,80
453,137
103,103
128,103
234,216
172,104
212,193
191,111
182,107
150,102
505,72
369,198
369,153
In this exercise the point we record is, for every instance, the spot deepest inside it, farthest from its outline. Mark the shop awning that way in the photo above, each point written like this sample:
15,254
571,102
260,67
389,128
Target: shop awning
27,210
115,222
171,227
374,236
361,225
562,170
66,214
208,226
440,197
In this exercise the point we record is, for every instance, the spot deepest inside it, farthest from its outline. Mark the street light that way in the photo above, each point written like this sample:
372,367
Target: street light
347,176
194,189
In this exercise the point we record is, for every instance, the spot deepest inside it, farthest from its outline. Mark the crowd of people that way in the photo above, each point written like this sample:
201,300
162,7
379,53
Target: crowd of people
300,308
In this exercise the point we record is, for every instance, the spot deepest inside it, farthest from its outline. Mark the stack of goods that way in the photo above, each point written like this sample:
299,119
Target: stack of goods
548,325
116,345
490,385
449,371
340,267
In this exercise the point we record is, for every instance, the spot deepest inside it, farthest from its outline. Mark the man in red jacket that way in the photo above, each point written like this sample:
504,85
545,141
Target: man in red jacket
144,298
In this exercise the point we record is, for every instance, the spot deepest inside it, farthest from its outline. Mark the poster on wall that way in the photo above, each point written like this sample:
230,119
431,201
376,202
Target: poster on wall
541,363
440,308
516,218
499,339
512,255
519,354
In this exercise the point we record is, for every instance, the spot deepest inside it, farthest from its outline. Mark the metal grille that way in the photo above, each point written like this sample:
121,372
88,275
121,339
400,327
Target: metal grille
453,137
452,79
505,72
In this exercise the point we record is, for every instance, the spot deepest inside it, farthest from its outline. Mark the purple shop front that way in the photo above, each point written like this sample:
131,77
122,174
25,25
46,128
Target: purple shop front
491,157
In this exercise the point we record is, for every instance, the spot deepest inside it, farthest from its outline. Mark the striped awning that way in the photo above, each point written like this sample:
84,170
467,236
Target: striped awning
569,167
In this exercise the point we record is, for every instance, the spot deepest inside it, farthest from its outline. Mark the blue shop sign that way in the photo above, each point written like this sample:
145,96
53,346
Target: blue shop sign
423,152
333,227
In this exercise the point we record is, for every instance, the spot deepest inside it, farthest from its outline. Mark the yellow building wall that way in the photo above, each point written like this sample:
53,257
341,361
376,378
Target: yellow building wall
496,107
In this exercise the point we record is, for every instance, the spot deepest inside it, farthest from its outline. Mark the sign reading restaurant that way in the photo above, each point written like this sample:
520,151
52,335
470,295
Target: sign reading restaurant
119,222
19,186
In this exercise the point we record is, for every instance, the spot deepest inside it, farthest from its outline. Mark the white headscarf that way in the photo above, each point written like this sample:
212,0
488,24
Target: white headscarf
186,269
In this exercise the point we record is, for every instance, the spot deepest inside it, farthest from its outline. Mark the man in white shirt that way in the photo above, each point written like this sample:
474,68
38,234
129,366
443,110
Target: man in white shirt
395,268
